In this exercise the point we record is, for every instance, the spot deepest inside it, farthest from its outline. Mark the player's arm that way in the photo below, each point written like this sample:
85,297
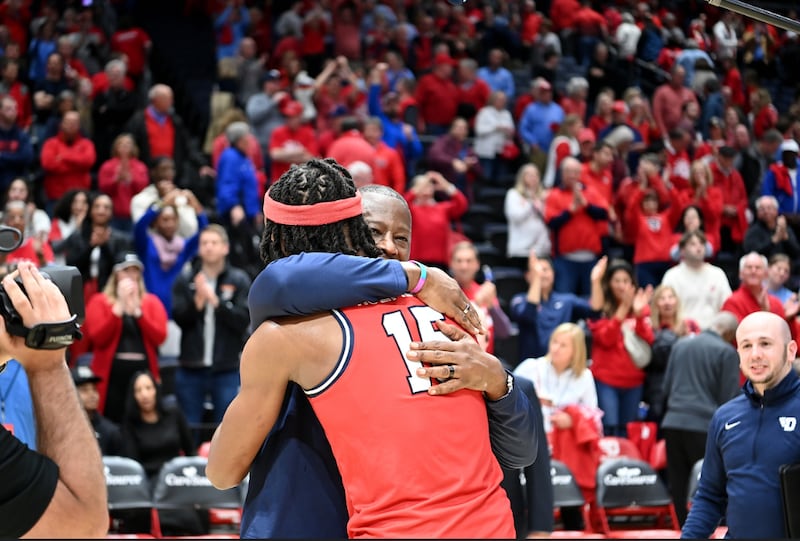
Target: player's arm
512,430
312,282
265,372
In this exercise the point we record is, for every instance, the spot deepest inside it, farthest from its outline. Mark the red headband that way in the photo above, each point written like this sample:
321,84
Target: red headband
317,214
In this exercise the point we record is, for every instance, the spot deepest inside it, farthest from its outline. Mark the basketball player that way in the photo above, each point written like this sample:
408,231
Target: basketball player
409,468
294,476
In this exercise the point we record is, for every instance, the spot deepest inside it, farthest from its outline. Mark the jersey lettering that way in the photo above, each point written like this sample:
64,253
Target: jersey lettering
394,324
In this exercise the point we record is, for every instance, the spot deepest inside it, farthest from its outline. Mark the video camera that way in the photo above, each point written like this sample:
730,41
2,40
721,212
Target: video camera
69,282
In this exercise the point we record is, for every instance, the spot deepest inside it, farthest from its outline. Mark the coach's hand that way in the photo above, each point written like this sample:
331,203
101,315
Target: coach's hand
442,293
472,368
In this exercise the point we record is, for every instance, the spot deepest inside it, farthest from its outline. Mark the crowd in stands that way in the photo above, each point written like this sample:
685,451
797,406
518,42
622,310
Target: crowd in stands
634,161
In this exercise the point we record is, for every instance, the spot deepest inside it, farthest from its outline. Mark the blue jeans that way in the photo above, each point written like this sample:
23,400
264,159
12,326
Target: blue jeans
620,406
573,276
192,385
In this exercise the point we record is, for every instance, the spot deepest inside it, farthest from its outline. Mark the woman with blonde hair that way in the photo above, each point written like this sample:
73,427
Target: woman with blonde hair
668,323
561,377
121,177
524,210
602,111
566,391
704,195
124,327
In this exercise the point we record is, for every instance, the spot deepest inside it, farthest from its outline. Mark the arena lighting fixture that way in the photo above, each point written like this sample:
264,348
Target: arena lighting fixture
757,13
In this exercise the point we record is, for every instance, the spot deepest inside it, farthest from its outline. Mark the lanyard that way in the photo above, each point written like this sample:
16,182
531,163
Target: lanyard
4,394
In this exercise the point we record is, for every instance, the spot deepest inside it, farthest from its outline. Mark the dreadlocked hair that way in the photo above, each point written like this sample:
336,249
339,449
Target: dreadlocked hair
316,181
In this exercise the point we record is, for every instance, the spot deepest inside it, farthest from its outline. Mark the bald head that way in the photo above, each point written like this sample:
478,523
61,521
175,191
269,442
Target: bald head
767,323
161,98
389,219
570,172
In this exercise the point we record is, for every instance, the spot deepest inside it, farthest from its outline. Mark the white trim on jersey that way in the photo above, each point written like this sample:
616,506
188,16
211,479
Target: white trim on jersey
344,357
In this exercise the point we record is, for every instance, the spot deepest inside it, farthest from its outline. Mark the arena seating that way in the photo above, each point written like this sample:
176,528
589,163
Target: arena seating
630,496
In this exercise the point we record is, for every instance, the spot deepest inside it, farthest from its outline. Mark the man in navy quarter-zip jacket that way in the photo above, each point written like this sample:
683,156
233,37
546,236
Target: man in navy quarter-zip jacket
750,437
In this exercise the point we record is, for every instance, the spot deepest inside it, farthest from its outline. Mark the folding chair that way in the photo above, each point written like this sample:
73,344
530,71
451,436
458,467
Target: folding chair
567,493
187,504
616,447
694,480
509,281
129,500
630,491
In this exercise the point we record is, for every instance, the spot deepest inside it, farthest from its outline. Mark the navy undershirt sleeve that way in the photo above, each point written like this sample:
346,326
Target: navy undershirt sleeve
315,282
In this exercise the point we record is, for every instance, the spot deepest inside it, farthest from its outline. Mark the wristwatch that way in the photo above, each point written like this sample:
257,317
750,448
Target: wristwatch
509,386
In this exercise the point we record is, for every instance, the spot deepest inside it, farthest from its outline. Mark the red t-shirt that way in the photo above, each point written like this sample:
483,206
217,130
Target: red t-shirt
352,147
580,231
438,99
132,43
432,227
283,137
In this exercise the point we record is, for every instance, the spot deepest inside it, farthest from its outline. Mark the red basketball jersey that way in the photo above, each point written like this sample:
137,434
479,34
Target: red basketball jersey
413,465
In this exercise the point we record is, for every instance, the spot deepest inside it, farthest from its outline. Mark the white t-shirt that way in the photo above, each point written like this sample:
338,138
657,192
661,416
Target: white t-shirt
701,292
565,389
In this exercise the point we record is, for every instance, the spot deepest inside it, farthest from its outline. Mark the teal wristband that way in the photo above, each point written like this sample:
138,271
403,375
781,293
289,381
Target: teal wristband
423,275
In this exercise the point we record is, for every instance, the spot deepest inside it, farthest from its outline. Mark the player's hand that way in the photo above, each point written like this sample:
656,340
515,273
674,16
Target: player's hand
473,368
443,294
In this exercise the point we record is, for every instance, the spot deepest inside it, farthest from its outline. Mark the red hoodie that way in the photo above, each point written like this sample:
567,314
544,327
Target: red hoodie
580,231
66,165
653,234
733,193
611,362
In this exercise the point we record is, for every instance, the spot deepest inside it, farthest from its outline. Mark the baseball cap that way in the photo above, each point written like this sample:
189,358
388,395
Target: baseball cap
586,135
619,107
292,108
444,58
84,374
271,75
790,145
127,259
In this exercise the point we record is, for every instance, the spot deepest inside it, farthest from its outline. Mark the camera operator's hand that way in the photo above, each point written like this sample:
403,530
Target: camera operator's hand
44,303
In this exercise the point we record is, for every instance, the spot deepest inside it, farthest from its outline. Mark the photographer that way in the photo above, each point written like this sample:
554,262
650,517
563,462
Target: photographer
59,491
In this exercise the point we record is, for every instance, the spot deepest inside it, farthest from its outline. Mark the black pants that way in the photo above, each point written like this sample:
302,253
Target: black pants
532,507
684,448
